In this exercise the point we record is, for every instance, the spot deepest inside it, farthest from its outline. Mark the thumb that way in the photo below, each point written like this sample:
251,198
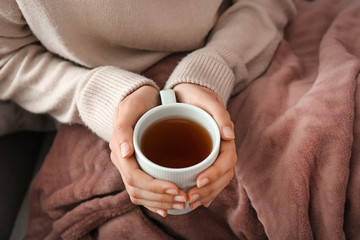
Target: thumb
126,115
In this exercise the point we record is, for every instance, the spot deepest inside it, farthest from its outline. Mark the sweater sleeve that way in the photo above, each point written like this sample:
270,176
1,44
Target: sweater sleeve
239,48
42,82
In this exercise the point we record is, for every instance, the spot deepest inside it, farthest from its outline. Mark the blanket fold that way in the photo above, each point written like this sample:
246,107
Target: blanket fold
298,142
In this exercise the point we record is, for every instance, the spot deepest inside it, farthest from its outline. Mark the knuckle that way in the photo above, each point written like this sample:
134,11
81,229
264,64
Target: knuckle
154,186
223,117
112,144
128,179
233,159
164,205
165,198
230,176
134,200
119,128
227,119
132,192
217,173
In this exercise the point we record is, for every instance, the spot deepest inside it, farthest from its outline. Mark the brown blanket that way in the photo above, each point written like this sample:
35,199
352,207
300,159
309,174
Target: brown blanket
298,142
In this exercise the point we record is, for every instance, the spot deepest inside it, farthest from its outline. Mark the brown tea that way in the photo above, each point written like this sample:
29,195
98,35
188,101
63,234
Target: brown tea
176,143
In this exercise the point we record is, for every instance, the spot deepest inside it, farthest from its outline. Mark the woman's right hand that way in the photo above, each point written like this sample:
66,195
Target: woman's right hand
156,195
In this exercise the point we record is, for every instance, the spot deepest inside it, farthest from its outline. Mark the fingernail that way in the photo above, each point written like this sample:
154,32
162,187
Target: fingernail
228,132
180,198
178,206
171,191
161,212
194,197
207,204
195,205
202,182
125,149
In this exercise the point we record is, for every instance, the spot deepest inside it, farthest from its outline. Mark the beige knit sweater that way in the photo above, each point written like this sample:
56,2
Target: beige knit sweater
76,60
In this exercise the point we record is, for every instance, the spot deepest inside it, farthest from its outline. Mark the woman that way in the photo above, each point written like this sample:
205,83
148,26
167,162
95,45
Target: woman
80,62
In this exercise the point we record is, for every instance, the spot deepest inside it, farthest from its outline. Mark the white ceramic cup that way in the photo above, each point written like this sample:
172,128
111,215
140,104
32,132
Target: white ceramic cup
183,178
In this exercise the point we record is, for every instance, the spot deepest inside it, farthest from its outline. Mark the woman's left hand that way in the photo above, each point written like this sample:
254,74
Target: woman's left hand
218,176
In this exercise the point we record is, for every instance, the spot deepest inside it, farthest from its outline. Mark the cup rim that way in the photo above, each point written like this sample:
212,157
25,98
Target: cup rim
214,151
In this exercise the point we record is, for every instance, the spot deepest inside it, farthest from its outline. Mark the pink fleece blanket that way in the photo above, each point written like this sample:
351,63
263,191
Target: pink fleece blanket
298,142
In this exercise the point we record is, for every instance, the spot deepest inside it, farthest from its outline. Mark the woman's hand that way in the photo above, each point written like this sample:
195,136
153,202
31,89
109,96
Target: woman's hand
154,194
218,176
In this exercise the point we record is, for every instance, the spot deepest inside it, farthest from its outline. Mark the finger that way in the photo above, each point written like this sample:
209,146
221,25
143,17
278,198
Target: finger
162,194
133,176
208,190
225,161
215,178
126,115
158,205
139,195
222,118
160,212
208,204
207,194
123,128
213,105
139,179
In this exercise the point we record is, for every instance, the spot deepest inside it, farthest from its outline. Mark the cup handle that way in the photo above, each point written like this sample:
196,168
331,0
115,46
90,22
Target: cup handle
167,96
